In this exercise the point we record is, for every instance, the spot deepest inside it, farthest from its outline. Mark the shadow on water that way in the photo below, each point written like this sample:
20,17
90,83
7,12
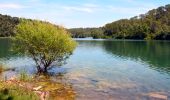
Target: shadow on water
5,45
154,53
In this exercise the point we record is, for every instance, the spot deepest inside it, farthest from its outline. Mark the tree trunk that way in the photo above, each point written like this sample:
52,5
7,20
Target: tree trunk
39,69
42,70
45,68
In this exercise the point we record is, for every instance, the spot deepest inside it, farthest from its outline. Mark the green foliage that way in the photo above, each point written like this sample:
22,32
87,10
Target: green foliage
14,92
153,25
4,95
7,25
46,43
86,32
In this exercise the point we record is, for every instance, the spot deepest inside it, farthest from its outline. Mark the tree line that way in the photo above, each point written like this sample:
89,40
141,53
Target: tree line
7,25
155,24
87,32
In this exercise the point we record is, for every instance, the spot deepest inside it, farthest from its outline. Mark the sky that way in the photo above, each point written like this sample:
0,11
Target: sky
78,13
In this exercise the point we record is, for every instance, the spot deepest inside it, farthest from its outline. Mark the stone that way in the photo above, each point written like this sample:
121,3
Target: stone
158,96
37,88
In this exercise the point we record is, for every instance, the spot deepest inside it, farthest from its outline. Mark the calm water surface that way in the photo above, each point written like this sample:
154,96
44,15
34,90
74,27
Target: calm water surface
109,70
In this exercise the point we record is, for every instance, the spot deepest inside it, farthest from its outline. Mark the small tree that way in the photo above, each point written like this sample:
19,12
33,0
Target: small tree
45,43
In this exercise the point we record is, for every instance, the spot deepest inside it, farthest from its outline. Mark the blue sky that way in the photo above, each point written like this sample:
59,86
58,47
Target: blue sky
78,13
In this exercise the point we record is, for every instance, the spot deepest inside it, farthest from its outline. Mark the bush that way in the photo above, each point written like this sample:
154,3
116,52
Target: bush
45,43
14,92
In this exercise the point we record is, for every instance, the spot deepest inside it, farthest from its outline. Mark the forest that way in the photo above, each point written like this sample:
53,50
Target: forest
155,24
7,25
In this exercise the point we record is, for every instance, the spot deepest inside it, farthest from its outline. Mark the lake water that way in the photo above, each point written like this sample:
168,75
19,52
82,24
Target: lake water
109,69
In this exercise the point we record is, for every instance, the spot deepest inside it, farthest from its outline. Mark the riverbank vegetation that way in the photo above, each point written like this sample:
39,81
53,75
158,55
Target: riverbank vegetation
12,91
47,44
38,88
7,25
87,32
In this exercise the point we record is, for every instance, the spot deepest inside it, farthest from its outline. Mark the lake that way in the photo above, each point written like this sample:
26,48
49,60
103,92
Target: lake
108,69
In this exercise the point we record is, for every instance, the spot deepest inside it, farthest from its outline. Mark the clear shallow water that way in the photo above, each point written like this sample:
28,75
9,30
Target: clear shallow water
109,70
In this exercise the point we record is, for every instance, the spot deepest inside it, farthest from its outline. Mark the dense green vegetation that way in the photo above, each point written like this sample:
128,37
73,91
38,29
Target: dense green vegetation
155,24
9,91
7,25
45,43
87,32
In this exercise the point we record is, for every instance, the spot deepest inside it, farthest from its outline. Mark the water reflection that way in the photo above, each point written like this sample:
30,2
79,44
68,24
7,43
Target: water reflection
155,53
124,70
5,45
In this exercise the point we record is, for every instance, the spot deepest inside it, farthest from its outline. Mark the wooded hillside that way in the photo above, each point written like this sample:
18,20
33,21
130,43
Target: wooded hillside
155,24
7,24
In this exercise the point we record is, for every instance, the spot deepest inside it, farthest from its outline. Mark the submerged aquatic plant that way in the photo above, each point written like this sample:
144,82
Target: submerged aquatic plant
55,90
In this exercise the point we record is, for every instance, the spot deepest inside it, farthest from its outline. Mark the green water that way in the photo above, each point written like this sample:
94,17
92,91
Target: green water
109,69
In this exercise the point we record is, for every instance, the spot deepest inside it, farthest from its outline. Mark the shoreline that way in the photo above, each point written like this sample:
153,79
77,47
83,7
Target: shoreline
103,39
41,87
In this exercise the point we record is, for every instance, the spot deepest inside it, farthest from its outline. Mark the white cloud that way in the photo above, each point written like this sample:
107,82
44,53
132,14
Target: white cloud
80,9
87,8
91,5
10,6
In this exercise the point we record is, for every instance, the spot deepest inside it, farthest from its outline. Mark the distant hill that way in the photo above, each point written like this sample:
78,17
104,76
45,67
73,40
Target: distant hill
155,24
87,32
7,24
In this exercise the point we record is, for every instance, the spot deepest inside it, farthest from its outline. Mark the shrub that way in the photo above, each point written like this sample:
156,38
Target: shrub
47,44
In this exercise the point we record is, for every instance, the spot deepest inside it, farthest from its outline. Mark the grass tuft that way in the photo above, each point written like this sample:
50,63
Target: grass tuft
14,92
23,76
